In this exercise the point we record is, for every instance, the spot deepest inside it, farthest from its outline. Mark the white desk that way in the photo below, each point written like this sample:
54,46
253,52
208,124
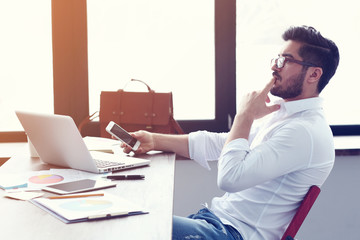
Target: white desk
23,220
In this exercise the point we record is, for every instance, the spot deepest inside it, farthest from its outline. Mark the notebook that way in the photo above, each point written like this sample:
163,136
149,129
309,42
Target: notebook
58,141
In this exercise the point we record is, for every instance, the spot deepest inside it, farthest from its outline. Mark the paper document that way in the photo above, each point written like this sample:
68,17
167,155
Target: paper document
12,181
41,179
73,210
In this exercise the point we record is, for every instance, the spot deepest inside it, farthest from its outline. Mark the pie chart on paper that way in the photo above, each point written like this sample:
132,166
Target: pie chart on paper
46,179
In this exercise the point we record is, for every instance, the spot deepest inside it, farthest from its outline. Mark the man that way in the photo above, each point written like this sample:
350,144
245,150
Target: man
266,167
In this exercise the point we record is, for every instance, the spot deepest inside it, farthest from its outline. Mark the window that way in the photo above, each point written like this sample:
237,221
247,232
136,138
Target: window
70,68
27,56
26,60
167,44
260,24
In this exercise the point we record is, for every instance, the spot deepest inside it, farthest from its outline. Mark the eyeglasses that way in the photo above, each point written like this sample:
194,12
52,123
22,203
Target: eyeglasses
280,62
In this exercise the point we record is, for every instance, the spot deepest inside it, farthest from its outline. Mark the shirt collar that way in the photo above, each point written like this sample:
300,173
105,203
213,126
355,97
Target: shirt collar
293,107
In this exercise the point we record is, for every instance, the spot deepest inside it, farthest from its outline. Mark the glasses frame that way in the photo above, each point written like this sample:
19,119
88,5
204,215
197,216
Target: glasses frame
281,64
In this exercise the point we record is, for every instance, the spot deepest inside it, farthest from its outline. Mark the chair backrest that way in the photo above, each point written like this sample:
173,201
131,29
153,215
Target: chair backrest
302,212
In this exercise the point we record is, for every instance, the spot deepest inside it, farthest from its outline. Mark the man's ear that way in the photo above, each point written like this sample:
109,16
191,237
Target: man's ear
315,74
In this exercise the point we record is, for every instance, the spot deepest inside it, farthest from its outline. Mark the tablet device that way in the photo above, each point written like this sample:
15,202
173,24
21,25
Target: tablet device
84,185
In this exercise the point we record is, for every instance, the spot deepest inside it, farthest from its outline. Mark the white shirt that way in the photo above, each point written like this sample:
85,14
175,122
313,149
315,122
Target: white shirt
267,176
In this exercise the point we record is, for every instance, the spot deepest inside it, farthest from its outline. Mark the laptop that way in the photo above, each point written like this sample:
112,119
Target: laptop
58,142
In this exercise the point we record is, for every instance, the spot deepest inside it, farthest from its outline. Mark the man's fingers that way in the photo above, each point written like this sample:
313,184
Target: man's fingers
266,91
273,108
267,100
268,86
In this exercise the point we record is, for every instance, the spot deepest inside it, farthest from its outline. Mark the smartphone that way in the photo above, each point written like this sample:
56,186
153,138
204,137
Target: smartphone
83,185
121,134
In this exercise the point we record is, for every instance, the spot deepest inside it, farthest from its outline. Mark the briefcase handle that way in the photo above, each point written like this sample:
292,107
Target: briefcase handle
137,80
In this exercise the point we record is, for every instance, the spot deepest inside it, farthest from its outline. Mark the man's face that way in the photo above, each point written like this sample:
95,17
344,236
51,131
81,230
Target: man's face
290,78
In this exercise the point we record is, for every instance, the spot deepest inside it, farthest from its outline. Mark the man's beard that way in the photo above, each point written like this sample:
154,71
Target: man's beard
293,90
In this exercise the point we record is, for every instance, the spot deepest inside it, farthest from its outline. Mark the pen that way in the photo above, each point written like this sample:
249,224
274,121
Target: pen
125,177
76,196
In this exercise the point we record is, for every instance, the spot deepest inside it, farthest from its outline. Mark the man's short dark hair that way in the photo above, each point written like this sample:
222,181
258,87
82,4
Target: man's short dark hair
317,50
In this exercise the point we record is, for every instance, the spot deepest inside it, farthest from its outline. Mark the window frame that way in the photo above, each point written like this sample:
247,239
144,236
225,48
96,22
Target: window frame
71,89
70,70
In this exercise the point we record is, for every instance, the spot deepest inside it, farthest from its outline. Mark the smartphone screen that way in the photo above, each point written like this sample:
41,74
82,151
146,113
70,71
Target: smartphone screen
123,135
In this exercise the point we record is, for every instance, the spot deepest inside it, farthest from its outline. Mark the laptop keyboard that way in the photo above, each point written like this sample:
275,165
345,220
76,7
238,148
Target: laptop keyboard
105,164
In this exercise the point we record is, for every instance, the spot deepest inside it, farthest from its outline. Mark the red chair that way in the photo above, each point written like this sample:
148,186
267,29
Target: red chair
301,213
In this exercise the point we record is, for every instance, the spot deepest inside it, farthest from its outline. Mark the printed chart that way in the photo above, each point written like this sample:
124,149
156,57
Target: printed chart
46,179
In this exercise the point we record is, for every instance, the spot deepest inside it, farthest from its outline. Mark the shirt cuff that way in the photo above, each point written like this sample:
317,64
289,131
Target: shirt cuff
197,148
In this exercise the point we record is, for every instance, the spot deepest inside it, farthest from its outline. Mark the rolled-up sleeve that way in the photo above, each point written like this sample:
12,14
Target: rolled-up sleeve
206,146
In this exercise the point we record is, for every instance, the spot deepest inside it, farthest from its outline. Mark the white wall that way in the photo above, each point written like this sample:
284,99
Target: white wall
335,214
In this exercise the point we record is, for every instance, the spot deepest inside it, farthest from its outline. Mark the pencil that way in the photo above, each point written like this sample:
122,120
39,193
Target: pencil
76,196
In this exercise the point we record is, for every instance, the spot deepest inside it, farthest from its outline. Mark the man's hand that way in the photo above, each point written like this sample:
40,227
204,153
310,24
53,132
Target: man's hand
252,106
178,144
146,142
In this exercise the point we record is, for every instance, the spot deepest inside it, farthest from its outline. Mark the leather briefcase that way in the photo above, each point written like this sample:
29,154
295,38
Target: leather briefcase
133,111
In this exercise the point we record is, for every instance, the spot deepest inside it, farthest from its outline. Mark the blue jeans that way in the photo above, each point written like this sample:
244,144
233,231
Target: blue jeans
203,225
